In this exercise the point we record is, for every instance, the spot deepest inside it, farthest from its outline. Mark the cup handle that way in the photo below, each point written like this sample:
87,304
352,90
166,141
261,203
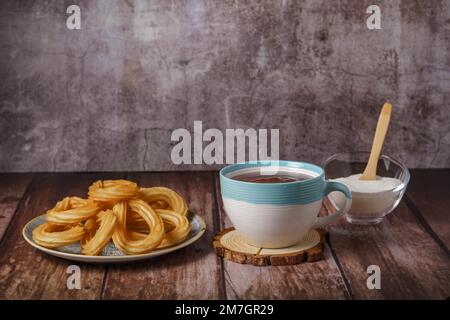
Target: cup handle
330,187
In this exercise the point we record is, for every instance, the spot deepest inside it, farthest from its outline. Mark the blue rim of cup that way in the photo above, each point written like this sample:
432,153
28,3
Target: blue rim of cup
271,163
287,193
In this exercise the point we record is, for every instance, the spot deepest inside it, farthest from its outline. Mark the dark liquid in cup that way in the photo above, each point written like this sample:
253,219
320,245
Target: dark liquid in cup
257,177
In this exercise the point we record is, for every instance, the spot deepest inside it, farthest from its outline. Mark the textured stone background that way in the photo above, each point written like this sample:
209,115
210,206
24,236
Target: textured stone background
108,97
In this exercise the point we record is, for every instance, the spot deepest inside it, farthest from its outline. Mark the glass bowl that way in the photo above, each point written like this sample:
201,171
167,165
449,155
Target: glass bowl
367,207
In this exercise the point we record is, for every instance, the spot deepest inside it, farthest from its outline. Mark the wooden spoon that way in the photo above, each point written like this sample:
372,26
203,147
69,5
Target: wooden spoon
370,173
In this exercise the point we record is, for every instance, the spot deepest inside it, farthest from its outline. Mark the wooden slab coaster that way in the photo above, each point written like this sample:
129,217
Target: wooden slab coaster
230,245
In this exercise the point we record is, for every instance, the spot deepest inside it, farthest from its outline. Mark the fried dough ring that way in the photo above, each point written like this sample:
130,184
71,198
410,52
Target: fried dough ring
158,194
93,245
90,228
178,233
159,205
52,236
77,202
148,242
181,230
72,210
136,223
137,220
112,191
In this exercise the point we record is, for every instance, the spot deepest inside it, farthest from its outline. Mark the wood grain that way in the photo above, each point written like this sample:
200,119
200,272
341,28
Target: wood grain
12,188
412,265
26,273
405,246
190,273
429,192
317,280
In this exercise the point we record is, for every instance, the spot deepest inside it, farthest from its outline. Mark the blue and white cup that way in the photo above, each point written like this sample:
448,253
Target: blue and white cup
278,215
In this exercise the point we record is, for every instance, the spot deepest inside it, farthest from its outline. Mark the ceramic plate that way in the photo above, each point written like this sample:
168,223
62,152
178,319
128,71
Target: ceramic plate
110,253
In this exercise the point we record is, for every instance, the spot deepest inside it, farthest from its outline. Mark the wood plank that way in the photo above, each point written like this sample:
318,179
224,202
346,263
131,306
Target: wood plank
26,273
12,188
412,265
317,280
190,273
429,192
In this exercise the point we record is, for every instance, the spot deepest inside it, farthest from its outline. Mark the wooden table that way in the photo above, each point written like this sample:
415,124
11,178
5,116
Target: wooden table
411,247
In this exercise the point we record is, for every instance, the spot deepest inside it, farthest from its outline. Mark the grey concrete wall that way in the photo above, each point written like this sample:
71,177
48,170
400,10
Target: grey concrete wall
108,97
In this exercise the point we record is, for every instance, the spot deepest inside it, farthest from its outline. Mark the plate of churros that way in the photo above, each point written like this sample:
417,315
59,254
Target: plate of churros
117,222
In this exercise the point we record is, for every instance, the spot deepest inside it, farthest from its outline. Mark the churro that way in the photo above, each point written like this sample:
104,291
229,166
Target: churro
136,220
